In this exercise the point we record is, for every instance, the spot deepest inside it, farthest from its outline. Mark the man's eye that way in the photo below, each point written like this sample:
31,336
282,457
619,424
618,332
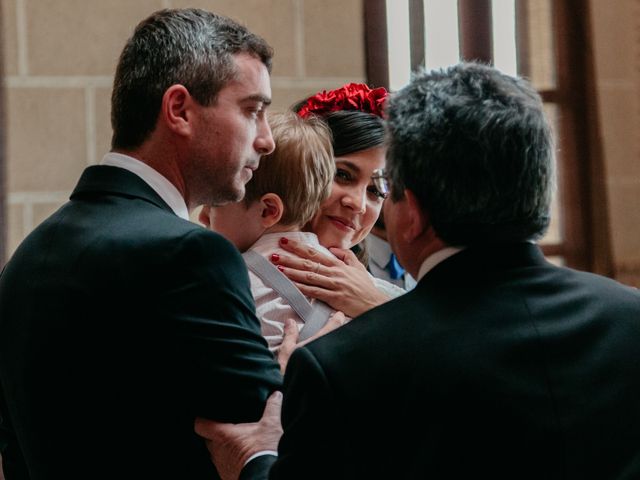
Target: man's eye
375,193
256,111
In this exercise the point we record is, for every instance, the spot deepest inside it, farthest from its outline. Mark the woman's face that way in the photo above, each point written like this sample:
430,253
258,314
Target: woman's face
347,216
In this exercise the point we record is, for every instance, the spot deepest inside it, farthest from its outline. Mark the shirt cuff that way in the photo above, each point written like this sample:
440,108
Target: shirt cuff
260,454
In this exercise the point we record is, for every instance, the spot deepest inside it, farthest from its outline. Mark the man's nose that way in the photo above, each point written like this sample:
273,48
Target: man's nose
264,143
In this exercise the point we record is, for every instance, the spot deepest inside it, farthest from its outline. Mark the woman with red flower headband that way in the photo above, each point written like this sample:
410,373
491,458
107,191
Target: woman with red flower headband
354,116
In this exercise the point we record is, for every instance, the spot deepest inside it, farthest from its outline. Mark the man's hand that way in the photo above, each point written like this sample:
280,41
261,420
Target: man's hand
231,445
291,334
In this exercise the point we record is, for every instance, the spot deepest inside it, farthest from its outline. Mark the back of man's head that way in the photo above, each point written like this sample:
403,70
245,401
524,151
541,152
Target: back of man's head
190,47
475,148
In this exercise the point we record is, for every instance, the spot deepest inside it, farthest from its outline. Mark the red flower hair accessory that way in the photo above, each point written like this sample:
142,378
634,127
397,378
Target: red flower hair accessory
353,96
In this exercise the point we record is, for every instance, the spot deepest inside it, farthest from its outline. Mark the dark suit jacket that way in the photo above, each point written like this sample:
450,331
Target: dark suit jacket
498,365
119,323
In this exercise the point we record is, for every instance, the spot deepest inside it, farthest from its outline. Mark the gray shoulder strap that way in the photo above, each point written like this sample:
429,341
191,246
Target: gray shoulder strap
314,316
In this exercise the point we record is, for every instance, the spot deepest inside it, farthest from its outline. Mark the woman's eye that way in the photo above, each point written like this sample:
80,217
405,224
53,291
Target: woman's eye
343,176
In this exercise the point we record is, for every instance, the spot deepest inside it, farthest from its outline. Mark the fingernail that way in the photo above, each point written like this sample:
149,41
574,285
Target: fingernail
275,257
284,241
280,267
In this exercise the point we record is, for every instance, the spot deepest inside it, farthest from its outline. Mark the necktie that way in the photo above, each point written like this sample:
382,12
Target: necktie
394,268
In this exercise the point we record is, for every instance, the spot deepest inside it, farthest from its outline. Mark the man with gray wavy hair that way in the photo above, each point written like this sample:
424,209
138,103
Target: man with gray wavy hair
498,364
121,320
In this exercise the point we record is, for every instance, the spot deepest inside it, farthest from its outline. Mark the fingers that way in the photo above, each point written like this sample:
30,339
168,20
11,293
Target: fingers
298,264
318,293
347,256
335,321
322,278
289,343
306,252
209,429
291,334
338,317
274,405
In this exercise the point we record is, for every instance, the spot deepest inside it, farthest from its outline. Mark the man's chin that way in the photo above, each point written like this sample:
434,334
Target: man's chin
229,196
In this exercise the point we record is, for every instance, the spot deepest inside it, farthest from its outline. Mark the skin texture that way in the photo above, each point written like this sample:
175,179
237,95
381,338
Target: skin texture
229,137
351,210
240,224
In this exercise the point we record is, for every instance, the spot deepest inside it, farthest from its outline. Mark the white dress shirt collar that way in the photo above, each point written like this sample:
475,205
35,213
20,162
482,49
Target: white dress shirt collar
434,259
163,187
379,250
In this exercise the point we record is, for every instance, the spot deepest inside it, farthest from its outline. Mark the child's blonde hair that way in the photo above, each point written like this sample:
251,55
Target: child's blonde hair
300,170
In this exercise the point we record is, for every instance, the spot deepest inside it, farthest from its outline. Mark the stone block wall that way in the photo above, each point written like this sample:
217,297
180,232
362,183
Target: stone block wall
60,56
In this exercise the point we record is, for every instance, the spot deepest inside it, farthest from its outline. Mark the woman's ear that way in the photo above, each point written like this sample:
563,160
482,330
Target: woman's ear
272,209
176,110
417,220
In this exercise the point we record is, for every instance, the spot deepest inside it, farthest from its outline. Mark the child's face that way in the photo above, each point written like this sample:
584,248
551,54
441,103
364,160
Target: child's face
236,222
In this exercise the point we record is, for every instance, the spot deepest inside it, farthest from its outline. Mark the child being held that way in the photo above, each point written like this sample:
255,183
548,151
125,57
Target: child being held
283,196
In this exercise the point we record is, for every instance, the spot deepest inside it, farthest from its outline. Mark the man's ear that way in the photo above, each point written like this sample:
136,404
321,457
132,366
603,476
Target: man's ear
417,220
176,110
272,209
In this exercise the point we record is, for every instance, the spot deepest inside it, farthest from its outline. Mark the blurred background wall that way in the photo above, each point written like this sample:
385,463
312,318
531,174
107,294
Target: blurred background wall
60,55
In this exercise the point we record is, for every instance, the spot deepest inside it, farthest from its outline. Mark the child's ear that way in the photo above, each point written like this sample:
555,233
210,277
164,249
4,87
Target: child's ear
272,209
204,216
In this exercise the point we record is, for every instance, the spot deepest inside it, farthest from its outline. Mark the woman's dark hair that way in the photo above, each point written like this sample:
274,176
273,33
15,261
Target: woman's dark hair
351,130
354,131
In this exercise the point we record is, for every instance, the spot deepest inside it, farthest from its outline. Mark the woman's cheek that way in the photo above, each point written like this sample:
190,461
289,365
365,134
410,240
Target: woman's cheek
371,215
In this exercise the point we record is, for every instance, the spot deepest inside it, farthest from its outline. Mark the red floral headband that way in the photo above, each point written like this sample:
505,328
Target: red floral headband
353,96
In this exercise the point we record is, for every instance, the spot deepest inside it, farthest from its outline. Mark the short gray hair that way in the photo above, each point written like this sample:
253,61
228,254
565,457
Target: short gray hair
474,146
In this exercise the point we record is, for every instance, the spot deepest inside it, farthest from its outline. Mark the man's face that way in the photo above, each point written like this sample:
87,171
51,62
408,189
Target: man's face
393,219
230,136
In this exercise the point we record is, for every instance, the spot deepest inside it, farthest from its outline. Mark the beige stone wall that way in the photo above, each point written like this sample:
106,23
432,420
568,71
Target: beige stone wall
60,58
616,35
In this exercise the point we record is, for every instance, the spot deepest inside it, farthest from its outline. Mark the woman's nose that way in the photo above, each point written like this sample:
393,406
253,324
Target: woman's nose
356,200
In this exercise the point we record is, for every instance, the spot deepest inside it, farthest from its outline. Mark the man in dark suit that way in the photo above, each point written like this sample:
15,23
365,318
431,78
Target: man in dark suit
498,364
120,320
